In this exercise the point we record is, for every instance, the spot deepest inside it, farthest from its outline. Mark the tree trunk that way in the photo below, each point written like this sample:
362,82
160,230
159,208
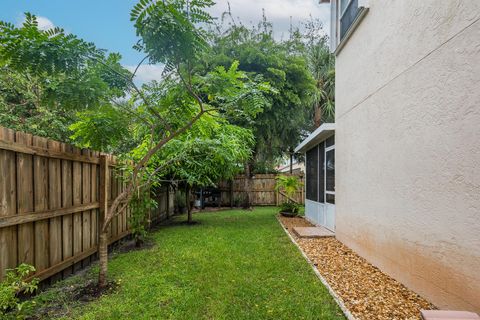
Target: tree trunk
248,186
189,208
318,115
231,194
103,259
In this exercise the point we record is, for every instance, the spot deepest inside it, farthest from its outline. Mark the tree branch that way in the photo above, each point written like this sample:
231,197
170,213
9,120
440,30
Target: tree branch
138,66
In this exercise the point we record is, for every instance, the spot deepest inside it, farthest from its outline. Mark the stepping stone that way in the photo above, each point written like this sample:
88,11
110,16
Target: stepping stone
313,232
448,315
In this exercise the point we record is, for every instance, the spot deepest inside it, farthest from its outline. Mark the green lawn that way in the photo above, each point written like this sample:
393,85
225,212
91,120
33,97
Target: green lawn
231,265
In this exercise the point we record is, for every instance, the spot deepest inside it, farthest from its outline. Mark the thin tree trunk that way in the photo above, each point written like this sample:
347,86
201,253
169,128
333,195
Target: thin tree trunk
318,115
103,259
231,193
189,208
248,186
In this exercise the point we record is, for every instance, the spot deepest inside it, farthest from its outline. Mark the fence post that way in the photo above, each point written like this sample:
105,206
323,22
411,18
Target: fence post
103,196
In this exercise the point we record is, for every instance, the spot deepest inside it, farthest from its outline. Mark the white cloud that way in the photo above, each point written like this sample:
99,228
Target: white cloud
147,72
279,12
44,23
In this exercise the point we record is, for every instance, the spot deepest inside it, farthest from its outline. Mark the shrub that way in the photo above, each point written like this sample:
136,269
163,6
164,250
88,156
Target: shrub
290,207
14,283
290,186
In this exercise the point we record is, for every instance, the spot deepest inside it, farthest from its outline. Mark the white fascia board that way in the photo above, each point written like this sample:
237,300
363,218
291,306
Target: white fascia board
317,136
363,3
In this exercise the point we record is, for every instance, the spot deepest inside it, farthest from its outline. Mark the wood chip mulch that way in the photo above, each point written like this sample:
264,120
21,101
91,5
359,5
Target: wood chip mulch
365,290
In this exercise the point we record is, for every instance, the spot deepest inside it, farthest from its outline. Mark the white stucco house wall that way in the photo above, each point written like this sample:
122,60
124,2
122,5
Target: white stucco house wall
407,142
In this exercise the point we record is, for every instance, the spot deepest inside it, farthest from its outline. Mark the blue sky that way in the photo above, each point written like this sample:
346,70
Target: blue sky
107,22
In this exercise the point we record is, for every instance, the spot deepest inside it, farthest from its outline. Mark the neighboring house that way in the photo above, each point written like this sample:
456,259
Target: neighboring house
297,166
407,142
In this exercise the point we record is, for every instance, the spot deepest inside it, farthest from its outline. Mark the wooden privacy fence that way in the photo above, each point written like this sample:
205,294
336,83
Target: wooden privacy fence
262,190
49,204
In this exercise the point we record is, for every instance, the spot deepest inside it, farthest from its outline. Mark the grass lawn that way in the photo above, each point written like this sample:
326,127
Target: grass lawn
231,265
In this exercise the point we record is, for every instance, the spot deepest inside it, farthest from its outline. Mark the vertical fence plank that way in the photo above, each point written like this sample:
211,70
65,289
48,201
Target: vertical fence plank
94,198
8,206
86,215
120,218
113,184
67,201
25,200
77,217
40,176
55,202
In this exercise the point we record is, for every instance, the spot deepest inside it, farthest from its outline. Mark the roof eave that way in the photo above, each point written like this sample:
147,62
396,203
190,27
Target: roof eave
317,136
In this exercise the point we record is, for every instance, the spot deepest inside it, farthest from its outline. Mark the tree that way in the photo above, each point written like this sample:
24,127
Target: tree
156,114
45,78
321,63
277,129
211,151
170,33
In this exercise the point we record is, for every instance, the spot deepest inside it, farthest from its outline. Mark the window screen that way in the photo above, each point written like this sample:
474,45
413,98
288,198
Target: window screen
330,141
330,170
321,172
312,174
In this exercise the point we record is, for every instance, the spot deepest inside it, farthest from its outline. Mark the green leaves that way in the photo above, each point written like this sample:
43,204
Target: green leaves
47,76
11,286
169,30
102,129
39,51
212,150
289,184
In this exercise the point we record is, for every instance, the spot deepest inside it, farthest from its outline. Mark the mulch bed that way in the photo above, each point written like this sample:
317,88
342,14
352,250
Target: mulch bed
365,290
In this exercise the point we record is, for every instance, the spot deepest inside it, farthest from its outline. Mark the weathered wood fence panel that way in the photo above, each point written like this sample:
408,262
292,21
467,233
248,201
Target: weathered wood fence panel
262,190
49,204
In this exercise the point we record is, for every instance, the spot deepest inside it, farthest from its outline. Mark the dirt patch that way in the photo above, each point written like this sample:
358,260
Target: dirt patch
90,291
66,296
365,290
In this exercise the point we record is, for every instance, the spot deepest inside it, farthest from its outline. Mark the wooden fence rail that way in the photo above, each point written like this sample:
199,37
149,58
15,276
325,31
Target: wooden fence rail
49,204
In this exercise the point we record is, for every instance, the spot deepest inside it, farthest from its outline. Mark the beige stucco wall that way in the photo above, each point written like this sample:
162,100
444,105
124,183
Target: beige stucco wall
408,146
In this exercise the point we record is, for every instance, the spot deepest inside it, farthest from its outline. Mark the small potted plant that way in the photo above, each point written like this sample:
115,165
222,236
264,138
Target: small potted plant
290,186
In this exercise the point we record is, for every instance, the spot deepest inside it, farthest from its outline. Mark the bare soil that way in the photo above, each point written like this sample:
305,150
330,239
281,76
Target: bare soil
365,290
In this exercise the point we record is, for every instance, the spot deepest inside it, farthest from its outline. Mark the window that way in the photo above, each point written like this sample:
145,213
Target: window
345,15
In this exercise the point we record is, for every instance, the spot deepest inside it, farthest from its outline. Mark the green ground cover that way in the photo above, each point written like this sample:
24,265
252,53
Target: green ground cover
233,264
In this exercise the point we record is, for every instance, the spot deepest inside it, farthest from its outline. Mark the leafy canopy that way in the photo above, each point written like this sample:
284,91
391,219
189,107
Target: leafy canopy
278,127
47,76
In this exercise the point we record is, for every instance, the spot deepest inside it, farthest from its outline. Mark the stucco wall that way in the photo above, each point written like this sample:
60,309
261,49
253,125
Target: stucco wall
408,146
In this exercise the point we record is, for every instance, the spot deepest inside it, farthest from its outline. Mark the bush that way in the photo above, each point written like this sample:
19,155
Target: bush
11,286
290,185
290,207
